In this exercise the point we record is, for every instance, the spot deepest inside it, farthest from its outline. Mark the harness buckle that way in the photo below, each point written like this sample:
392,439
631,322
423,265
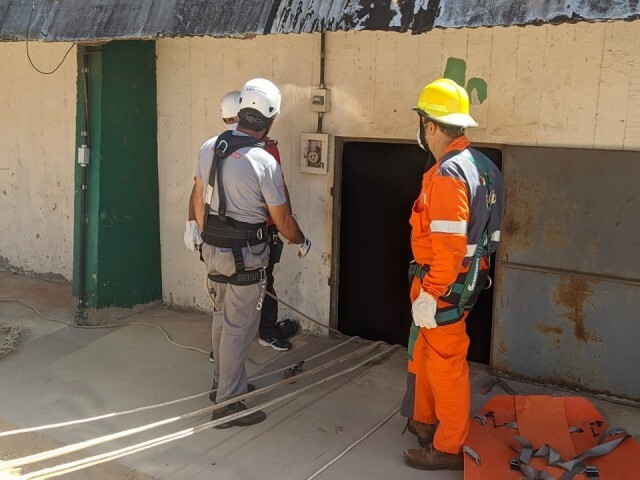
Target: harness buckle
259,234
220,150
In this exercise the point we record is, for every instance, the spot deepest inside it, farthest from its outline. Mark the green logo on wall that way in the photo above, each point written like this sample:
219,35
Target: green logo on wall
456,70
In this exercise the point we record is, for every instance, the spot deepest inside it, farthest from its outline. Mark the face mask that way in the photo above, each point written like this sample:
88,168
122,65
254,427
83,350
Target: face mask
232,126
420,137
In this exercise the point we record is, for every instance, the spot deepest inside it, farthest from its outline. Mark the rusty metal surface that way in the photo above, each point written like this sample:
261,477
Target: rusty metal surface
95,20
573,210
566,330
566,309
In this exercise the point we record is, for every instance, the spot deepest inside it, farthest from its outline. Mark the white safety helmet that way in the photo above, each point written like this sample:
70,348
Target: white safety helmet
229,104
262,95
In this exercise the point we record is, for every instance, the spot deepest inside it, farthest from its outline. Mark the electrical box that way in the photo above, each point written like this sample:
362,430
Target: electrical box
314,153
320,100
83,155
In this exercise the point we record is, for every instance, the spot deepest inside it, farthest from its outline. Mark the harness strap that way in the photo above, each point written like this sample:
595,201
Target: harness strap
471,280
249,277
469,451
221,233
482,420
573,467
222,196
226,144
238,258
254,234
602,448
229,237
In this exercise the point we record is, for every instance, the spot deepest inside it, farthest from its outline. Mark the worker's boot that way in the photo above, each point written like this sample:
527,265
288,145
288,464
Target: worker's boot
251,419
424,431
430,458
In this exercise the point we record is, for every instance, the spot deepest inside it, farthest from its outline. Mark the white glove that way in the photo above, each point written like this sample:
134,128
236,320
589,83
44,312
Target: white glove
304,248
192,237
424,310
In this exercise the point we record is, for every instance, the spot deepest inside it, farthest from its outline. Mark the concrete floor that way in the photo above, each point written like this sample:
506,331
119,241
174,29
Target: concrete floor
60,373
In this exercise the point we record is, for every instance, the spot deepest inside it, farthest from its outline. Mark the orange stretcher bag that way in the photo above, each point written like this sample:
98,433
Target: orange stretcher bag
547,438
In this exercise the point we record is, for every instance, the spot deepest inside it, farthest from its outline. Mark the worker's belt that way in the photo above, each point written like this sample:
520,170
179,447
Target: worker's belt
222,233
234,234
452,314
249,277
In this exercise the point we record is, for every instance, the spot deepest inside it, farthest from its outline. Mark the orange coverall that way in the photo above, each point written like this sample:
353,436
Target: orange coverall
442,387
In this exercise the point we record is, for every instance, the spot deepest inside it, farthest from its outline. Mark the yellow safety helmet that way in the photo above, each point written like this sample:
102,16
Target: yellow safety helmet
446,102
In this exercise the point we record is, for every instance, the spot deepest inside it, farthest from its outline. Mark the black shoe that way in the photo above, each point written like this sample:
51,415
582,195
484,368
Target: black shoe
278,344
251,419
212,396
288,328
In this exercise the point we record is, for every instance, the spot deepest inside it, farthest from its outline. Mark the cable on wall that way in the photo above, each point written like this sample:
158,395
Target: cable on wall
33,7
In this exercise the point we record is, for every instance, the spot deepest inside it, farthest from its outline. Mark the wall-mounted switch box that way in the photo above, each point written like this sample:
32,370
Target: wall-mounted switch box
314,153
320,100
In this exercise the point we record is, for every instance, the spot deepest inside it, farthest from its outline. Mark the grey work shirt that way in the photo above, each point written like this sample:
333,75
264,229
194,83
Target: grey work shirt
252,180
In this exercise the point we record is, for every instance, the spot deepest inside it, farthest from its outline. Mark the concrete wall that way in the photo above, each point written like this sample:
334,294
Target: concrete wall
569,85
193,75
37,138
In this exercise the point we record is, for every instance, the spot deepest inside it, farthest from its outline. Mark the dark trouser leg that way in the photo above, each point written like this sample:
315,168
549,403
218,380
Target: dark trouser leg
269,313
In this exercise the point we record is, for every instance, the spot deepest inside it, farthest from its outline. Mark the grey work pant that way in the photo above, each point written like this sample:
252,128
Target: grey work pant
236,323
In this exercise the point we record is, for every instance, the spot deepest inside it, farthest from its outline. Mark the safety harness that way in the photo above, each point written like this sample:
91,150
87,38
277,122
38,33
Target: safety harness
464,292
223,231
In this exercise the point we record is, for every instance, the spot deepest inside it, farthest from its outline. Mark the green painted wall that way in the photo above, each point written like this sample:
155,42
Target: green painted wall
123,230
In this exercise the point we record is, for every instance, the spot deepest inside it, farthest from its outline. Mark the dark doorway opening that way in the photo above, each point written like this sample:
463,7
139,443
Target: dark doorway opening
380,182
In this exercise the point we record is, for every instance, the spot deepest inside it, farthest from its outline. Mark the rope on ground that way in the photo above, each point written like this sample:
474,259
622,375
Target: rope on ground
355,444
172,402
279,300
12,337
211,294
95,327
164,404
115,454
107,438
